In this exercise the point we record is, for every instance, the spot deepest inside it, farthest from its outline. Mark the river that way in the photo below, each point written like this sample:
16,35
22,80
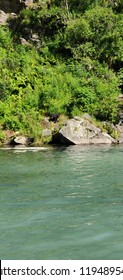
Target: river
61,203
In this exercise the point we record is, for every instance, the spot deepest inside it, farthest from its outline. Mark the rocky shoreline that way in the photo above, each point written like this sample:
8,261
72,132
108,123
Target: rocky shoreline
84,130
75,131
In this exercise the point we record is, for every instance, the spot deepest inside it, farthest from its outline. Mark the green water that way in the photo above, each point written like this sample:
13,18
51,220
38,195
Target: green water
63,203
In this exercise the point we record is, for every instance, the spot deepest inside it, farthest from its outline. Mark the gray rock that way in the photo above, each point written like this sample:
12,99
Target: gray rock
45,123
28,2
120,131
120,97
86,116
102,138
46,132
80,131
23,41
3,17
35,38
22,140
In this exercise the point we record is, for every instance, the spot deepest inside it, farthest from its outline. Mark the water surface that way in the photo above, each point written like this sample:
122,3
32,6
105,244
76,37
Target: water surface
62,203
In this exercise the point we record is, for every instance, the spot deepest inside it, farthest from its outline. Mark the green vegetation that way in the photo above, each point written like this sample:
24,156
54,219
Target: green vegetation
61,56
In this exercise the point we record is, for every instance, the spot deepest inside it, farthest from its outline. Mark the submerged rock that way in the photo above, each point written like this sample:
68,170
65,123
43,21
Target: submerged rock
78,131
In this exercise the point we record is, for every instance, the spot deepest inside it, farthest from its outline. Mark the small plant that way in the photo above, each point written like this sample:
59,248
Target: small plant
111,130
2,137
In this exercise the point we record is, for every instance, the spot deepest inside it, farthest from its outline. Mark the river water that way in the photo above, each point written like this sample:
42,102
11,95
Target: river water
62,203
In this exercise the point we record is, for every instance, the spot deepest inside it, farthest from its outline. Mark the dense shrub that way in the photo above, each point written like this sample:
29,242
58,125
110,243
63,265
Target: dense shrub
76,68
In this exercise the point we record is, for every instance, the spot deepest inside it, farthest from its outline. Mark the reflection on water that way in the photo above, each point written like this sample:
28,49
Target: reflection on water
62,203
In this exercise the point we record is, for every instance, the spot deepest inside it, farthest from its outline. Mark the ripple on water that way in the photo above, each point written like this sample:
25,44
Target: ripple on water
64,203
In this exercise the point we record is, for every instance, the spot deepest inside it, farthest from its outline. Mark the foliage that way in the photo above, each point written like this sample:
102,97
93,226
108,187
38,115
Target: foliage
97,34
82,6
76,67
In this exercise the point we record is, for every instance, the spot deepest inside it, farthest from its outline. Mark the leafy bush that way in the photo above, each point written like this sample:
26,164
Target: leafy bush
76,68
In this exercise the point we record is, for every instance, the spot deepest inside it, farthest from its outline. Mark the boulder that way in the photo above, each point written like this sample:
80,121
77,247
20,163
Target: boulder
78,131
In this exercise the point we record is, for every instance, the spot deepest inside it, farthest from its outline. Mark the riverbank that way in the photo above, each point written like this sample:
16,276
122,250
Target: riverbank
54,60
82,130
